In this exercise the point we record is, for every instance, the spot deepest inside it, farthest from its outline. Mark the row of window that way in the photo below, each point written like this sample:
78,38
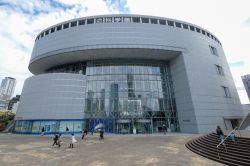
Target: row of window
127,20
220,71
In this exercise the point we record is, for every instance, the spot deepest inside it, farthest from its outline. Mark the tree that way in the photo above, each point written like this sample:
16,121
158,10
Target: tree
5,118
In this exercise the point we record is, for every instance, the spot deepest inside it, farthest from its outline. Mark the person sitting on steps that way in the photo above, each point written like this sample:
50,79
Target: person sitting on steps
220,134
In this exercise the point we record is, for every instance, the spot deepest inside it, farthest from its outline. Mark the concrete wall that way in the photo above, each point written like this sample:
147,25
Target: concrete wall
52,96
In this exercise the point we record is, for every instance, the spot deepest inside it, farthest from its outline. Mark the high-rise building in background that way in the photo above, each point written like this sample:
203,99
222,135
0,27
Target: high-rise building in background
7,88
246,82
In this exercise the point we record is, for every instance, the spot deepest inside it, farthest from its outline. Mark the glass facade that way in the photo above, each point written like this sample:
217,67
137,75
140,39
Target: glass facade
77,68
138,96
50,126
127,97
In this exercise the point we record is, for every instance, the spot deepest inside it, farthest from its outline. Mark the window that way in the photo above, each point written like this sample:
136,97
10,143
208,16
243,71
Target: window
208,34
90,21
185,26
73,24
59,27
42,35
117,19
81,22
177,24
226,91
219,70
212,36
203,32
52,30
126,19
136,19
162,22
191,28
154,21
171,23
108,19
47,32
213,50
99,20
144,20
198,30
65,25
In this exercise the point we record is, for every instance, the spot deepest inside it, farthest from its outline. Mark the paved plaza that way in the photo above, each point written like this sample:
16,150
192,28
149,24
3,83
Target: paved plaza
114,150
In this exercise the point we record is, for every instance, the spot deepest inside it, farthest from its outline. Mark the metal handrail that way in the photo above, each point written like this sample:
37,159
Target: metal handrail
222,142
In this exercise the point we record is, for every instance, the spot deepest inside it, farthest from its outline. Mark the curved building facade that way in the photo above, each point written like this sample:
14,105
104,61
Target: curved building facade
133,73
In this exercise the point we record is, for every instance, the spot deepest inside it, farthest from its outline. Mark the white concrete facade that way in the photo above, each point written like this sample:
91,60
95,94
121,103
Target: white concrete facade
199,89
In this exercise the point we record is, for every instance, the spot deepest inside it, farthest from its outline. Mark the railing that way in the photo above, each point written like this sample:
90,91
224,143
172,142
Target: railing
246,118
10,126
222,142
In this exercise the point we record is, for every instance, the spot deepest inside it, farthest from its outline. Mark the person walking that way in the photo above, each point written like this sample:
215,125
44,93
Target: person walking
42,131
73,140
83,134
164,127
101,133
55,139
85,131
220,134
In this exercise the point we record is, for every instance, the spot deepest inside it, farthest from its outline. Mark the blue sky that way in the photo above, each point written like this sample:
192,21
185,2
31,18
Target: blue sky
22,20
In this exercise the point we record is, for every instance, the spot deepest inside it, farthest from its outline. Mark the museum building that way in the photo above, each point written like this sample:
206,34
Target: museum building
133,73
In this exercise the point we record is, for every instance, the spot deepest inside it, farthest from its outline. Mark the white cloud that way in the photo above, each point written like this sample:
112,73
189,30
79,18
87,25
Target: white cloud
23,20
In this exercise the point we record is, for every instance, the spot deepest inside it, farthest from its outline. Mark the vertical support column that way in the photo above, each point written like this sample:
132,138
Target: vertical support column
152,129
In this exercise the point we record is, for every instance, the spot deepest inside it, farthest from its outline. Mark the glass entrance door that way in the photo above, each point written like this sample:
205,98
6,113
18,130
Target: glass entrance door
123,126
143,126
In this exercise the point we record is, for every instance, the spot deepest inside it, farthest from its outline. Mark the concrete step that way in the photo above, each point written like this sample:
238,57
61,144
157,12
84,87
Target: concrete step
220,157
233,148
226,152
209,156
228,144
234,153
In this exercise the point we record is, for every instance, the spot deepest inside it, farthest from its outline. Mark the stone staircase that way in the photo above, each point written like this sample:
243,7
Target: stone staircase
233,153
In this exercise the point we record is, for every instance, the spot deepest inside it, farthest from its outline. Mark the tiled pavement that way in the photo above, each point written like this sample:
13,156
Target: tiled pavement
115,150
